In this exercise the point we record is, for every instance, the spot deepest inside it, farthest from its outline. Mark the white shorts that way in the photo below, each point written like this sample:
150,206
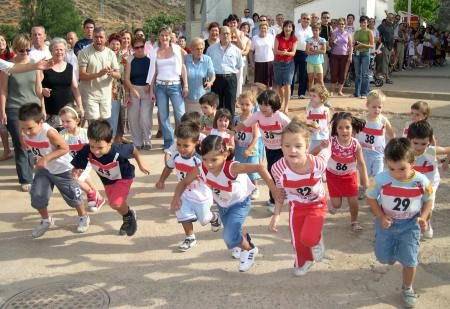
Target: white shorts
191,211
433,196
95,109
85,174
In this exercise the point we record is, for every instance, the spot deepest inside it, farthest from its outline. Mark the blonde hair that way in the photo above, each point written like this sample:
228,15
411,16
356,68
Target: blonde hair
197,42
249,96
422,107
321,91
257,88
21,41
297,126
316,26
69,110
376,94
263,23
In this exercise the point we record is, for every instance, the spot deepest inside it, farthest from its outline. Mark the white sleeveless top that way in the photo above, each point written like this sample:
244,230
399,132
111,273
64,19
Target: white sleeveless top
372,136
320,116
427,164
165,68
40,146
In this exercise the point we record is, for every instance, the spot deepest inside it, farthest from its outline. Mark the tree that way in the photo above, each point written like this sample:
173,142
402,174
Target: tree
425,8
8,31
58,17
153,24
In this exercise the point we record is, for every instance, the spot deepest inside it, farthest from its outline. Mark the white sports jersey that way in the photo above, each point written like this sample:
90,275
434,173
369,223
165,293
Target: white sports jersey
427,164
372,136
343,159
243,138
75,142
228,190
320,116
401,202
226,137
40,146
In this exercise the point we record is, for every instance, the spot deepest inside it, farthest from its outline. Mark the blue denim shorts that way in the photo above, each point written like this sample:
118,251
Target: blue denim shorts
400,242
374,162
233,218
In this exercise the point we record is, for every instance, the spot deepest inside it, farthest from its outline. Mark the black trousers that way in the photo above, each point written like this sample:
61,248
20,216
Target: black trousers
272,156
225,86
300,71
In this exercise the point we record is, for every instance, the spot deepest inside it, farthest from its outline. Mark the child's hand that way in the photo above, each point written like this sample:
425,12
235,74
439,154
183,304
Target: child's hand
324,144
386,222
445,165
423,223
144,169
76,172
273,223
246,153
41,163
160,185
175,205
279,195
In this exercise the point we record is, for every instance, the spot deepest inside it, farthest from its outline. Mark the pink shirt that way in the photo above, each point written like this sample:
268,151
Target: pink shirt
270,126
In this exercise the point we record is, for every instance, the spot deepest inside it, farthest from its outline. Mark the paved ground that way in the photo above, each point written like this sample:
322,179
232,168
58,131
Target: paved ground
147,271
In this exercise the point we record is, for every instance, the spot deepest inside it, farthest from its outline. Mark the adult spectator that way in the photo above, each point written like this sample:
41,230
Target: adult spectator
376,34
233,22
200,73
166,67
17,90
138,33
140,109
126,49
183,44
262,48
302,32
149,44
363,43
283,66
255,18
8,55
256,29
88,28
350,28
386,31
70,56
248,19
5,52
227,61
325,32
39,50
400,43
334,24
98,67
342,50
245,52
279,21
59,86
213,29
314,18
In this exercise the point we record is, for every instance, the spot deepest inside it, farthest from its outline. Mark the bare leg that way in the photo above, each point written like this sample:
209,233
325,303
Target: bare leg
80,210
121,209
354,207
287,96
44,213
188,228
340,88
319,79
336,202
409,273
310,81
245,245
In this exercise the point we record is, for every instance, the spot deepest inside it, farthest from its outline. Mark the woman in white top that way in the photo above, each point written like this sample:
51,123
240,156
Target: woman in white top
262,47
167,78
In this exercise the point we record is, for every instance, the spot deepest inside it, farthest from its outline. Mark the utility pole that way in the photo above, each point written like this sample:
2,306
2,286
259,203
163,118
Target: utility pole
409,12
102,9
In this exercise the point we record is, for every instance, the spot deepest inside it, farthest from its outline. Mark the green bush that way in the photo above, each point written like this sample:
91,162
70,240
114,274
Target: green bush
8,31
153,24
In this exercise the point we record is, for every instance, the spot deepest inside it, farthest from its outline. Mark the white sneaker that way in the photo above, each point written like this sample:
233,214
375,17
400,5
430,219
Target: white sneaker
318,251
428,233
247,259
236,253
83,224
216,224
255,194
42,227
301,271
188,243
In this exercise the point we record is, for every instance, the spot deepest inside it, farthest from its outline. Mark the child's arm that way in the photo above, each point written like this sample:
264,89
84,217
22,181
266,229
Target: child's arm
251,147
141,165
376,210
389,130
248,122
181,186
162,179
57,141
424,215
433,141
441,151
362,167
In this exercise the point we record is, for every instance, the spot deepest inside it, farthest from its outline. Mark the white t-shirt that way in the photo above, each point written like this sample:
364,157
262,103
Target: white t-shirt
301,35
5,66
36,54
263,48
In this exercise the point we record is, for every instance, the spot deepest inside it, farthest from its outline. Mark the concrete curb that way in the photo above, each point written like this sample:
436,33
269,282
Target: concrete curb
410,94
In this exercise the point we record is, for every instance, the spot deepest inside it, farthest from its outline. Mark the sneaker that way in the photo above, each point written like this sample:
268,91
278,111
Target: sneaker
187,243
247,259
83,224
99,202
409,298
361,193
129,225
147,146
301,271
428,233
92,199
236,253
42,227
255,194
270,207
318,251
302,97
216,224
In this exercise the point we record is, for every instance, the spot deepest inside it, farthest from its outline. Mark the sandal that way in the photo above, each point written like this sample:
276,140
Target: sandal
356,227
6,156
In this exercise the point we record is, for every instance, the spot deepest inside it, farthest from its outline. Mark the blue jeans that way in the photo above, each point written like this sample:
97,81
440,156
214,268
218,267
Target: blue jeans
374,162
115,111
163,94
233,218
361,64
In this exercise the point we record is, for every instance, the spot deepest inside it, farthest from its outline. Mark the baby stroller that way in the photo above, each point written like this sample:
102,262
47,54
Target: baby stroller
373,78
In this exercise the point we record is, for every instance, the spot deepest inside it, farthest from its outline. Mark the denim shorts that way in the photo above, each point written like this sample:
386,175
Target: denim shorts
192,211
374,162
233,218
400,242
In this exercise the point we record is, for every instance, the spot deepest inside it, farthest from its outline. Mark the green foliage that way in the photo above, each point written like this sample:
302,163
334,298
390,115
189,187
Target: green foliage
57,16
153,24
425,8
8,31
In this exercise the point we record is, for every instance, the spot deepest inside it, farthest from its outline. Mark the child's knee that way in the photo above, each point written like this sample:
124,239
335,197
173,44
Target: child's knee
39,200
232,237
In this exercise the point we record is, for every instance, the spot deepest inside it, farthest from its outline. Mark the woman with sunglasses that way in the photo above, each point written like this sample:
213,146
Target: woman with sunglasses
17,90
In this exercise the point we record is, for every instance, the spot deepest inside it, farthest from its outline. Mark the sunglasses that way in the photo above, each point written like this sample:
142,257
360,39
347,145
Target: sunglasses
139,47
24,50
304,18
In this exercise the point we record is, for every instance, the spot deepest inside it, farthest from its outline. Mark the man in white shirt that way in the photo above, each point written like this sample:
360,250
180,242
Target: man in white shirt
70,56
39,50
278,27
248,19
302,32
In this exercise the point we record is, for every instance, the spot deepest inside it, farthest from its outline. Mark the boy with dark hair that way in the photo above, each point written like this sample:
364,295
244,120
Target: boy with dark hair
111,163
209,103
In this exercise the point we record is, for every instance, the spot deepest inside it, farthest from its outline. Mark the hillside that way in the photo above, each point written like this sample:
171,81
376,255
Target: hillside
117,13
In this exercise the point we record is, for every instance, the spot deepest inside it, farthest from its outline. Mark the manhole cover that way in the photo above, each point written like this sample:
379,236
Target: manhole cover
60,296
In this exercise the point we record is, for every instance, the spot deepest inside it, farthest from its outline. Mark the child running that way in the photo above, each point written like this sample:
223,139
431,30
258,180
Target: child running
247,140
346,157
420,134
401,201
372,137
110,162
76,138
271,122
419,111
209,103
196,201
51,153
316,111
223,124
231,189
300,175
